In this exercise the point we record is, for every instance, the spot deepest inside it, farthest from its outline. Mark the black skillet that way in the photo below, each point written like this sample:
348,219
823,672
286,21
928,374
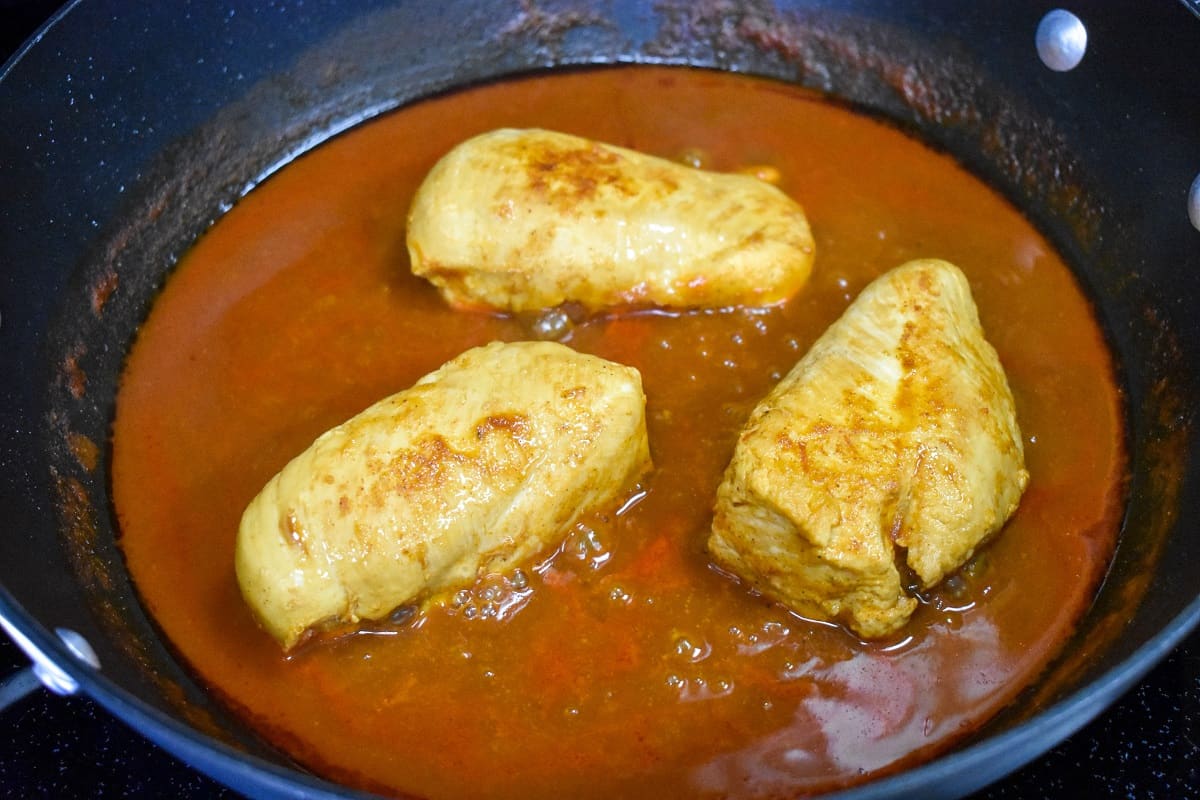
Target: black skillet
128,130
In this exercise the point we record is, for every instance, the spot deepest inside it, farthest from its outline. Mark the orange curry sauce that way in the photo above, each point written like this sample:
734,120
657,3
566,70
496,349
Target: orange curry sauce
621,664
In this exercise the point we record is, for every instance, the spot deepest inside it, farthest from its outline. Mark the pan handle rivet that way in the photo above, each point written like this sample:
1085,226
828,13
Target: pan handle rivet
1061,40
54,678
78,646
44,669
1194,203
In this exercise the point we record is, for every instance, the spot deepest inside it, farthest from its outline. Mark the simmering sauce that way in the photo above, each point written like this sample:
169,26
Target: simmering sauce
620,664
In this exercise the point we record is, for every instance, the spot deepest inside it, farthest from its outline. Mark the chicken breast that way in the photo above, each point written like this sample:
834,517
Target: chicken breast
893,441
477,467
524,220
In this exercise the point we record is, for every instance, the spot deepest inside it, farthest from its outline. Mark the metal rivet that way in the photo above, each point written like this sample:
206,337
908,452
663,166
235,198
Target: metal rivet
1061,40
78,646
1194,203
51,676
49,673
55,679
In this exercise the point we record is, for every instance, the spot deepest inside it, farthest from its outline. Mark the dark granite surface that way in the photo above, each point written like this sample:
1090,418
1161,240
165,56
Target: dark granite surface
1147,746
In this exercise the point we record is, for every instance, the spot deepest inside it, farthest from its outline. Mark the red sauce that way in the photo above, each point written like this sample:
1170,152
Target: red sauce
627,666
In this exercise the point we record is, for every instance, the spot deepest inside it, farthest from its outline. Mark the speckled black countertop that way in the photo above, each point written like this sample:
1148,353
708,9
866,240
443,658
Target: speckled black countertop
1147,746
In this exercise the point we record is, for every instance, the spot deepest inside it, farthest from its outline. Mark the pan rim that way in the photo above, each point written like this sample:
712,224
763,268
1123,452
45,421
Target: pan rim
1044,729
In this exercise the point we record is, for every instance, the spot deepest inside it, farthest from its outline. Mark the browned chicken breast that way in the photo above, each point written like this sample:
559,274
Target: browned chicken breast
524,220
475,468
894,440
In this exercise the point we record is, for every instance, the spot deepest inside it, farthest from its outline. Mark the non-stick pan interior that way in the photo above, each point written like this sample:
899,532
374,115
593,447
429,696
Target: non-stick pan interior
117,158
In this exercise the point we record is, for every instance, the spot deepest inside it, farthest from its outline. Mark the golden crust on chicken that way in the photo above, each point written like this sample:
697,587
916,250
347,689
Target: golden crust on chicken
893,440
478,466
524,220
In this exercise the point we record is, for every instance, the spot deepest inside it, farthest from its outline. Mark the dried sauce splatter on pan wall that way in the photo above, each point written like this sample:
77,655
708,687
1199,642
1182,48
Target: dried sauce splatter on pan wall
624,665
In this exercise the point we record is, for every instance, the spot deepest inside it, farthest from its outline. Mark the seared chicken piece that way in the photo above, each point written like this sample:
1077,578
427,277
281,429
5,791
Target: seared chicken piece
477,467
893,440
523,220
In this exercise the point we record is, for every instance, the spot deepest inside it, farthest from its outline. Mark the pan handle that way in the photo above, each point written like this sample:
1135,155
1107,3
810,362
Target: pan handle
17,685
43,671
